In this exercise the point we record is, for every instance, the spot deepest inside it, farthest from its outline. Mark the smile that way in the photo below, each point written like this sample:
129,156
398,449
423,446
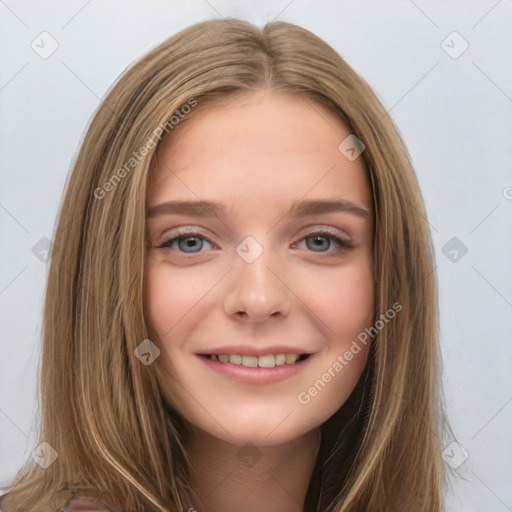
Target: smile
257,370
266,361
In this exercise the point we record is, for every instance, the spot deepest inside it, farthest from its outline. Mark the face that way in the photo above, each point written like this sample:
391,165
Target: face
259,253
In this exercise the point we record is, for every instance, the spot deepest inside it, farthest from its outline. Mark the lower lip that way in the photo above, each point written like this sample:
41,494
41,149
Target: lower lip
256,376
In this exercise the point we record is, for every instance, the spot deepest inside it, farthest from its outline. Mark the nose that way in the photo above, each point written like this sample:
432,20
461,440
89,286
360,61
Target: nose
258,290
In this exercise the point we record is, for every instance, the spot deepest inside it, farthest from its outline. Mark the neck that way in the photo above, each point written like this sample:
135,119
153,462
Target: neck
229,478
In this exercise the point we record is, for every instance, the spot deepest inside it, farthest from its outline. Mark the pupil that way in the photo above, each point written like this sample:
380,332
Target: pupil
190,242
320,242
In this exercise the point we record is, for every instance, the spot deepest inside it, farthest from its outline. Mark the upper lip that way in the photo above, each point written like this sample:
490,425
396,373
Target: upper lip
247,350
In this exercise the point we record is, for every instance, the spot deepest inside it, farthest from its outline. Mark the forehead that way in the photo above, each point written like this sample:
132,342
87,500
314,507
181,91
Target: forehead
265,147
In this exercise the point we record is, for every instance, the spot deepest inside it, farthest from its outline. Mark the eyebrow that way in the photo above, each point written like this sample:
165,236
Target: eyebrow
298,208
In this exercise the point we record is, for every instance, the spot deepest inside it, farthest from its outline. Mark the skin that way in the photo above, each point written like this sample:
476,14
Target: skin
256,153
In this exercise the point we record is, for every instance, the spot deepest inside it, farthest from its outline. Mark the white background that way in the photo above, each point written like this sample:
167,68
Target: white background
453,113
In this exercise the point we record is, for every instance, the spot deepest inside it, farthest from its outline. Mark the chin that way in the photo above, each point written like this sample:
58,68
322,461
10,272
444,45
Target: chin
251,436
261,431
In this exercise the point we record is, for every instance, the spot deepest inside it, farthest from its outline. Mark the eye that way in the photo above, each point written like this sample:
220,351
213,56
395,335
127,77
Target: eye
190,242
323,240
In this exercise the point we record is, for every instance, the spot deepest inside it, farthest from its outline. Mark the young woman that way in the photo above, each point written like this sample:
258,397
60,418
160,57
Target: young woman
241,309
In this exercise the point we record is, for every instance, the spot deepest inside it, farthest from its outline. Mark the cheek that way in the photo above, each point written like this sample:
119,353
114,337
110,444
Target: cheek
169,297
343,300
345,306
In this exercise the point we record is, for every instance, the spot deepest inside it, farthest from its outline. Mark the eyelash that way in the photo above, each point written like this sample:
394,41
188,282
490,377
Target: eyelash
321,233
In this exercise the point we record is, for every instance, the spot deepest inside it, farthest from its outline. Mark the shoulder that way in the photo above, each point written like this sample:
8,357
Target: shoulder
80,504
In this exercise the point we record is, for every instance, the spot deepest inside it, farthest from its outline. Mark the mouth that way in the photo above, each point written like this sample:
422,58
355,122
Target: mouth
257,369
254,361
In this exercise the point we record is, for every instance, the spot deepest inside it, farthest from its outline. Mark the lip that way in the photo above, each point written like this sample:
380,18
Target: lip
256,376
246,350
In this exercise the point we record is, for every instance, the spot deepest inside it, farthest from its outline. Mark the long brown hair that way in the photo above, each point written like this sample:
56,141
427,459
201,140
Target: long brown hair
103,412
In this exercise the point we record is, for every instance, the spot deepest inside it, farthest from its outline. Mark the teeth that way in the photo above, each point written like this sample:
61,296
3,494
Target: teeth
291,358
280,359
250,361
267,361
